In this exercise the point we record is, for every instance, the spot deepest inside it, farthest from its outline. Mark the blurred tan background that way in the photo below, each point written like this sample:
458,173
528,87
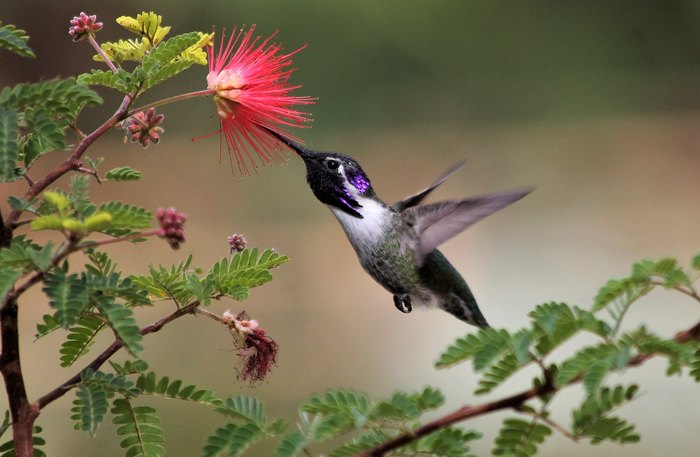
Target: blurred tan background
595,103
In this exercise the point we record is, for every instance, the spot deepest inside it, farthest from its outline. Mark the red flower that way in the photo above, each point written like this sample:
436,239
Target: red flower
250,76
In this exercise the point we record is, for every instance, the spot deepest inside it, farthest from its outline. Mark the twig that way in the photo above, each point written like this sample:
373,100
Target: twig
72,162
511,402
61,390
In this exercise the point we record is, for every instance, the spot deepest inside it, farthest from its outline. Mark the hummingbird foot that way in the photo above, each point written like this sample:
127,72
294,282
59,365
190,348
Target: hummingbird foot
403,303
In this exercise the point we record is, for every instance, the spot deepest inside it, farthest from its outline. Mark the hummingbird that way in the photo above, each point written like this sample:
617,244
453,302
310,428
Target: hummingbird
397,244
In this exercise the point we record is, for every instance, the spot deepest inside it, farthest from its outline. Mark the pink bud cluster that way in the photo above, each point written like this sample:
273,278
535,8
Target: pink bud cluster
171,226
237,243
143,127
82,26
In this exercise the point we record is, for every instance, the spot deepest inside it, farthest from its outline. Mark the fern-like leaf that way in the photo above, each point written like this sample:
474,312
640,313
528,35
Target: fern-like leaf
63,98
140,428
9,150
125,218
583,362
448,441
245,270
290,445
164,387
361,443
111,383
45,134
244,407
89,407
123,174
163,283
168,50
67,295
7,280
122,321
518,438
79,339
231,440
121,81
15,40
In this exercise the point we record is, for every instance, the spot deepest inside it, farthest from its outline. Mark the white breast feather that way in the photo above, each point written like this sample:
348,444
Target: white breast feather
370,227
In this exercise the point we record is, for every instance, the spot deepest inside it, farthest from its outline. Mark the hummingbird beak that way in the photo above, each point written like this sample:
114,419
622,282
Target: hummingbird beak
293,145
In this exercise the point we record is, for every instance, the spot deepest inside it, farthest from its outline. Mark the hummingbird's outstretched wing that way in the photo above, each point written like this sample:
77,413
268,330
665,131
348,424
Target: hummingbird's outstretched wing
438,222
415,199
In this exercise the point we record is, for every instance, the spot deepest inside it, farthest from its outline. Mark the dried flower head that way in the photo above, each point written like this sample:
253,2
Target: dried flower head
257,351
250,78
237,243
83,25
143,127
171,224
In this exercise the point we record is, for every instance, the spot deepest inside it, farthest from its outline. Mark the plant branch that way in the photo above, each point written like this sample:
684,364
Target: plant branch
72,162
98,48
511,402
98,361
14,294
173,99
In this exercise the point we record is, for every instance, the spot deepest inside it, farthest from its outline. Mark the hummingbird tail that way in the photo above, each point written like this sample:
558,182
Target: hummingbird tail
465,308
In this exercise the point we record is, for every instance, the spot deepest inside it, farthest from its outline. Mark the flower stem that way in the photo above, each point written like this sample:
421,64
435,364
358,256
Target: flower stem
173,99
102,54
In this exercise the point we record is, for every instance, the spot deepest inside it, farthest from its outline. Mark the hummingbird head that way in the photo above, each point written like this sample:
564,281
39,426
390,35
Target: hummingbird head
335,179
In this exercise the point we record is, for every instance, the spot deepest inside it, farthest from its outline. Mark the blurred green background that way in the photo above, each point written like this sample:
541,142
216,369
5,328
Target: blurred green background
595,103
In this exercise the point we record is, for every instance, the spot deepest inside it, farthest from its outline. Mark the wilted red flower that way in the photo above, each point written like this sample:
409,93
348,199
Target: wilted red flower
83,25
171,224
257,350
250,76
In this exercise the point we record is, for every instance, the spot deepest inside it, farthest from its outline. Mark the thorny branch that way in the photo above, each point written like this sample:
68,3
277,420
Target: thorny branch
511,402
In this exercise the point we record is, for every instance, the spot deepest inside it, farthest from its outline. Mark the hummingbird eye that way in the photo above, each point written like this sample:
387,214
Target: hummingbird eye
332,164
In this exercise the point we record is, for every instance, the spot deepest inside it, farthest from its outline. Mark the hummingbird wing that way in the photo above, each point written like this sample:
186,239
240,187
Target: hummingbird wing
415,199
438,222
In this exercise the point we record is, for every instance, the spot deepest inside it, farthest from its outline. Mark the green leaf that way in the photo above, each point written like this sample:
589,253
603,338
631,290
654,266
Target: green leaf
130,367
168,50
89,407
586,419
587,360
123,174
448,441
231,440
63,98
7,280
666,269
245,270
67,295
695,263
109,382
9,150
336,400
164,387
519,438
125,218
361,443
79,339
121,81
678,354
111,284
15,40
165,283
140,428
290,445
165,72
48,325
20,204
244,407
45,134
122,321
483,347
